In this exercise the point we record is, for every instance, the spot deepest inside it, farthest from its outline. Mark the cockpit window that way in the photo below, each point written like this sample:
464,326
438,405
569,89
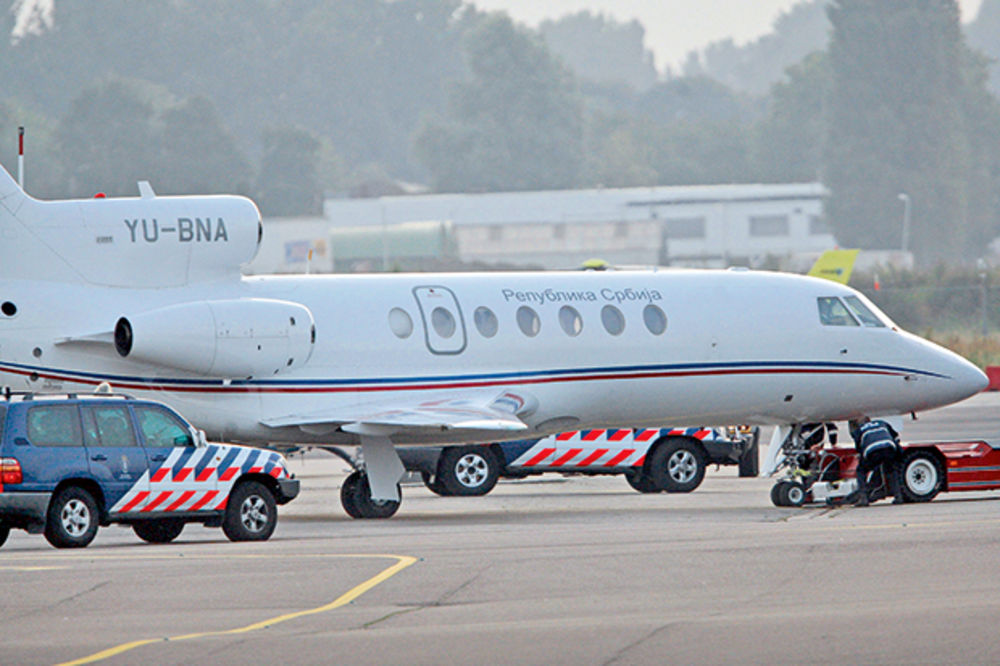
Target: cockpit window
832,312
867,317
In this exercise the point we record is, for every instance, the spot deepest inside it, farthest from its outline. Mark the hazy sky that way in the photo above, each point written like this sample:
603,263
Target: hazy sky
674,27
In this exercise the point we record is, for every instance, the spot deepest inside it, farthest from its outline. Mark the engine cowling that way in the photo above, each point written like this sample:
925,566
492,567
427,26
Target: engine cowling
230,339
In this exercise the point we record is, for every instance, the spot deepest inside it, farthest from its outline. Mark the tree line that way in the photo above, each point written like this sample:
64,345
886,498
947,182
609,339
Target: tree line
286,101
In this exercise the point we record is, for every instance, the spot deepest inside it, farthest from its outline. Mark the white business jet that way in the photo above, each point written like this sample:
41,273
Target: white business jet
146,294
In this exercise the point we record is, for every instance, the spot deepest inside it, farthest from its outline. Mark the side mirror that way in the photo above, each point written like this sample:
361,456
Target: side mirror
200,440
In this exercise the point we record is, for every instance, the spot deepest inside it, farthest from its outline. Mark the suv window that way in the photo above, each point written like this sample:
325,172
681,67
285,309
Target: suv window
162,428
54,425
107,425
3,419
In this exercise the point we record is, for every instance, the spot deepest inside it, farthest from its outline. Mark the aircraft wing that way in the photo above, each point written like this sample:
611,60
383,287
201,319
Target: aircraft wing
487,412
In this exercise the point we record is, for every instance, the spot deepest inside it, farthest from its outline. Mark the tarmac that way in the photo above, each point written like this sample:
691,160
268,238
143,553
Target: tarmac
549,569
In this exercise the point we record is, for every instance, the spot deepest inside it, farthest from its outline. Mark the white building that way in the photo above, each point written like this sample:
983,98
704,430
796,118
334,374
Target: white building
711,225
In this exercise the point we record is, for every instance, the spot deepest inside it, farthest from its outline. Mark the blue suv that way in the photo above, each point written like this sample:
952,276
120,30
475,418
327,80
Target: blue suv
70,463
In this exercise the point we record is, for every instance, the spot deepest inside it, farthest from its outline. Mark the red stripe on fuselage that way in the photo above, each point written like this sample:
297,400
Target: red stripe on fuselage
166,386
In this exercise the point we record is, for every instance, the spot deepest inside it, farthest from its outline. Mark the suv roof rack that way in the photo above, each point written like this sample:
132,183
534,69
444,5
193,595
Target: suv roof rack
25,396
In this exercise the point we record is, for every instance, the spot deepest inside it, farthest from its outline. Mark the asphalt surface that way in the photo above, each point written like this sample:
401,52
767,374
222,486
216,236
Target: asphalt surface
573,570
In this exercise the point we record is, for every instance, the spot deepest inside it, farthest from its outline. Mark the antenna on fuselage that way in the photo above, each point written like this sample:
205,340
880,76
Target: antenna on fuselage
20,156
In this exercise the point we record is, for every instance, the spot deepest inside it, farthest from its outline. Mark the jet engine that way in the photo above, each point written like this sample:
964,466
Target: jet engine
230,339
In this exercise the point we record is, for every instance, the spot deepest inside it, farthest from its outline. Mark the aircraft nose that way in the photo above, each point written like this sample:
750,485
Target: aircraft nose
967,380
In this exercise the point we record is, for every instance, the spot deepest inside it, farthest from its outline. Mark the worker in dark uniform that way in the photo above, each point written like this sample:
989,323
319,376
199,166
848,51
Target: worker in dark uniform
877,443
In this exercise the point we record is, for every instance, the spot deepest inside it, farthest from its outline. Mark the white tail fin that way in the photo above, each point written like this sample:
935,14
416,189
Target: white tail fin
12,197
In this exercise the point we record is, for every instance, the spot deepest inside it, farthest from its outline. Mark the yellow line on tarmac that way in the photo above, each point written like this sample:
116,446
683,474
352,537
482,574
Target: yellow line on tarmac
402,561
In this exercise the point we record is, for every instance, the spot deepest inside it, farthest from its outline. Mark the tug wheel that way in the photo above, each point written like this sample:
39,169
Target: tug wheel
922,477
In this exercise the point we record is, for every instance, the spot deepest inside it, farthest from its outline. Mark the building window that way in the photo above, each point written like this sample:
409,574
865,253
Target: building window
685,227
769,225
818,226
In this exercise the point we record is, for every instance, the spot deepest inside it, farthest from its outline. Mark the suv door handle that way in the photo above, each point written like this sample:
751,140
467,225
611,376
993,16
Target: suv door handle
98,456
159,457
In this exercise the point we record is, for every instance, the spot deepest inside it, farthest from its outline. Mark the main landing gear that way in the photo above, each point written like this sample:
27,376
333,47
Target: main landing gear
372,489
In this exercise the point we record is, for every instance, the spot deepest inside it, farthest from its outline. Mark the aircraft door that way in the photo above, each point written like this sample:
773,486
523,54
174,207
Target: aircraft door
444,328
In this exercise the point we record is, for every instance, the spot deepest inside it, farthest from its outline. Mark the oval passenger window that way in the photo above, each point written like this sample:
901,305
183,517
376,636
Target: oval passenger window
528,321
443,322
400,323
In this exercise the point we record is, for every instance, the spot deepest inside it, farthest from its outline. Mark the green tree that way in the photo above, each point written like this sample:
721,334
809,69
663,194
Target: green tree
288,183
600,49
896,126
788,141
107,139
199,155
515,124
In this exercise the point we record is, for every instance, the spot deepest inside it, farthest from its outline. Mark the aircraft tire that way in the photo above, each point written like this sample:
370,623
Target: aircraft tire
4,533
778,493
72,519
158,531
434,485
642,482
468,470
251,513
677,465
922,476
356,498
793,494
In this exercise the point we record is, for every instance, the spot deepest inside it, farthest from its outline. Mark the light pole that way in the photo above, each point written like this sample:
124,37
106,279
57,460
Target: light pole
905,198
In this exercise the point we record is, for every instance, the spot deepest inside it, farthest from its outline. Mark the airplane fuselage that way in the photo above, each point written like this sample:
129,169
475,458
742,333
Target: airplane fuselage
705,347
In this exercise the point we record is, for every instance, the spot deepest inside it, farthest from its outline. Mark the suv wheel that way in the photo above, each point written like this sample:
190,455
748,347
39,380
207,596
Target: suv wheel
678,465
4,533
159,531
468,470
72,519
251,513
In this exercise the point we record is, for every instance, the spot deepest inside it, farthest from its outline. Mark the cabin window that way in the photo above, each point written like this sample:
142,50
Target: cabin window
443,322
55,425
570,320
613,320
486,322
832,312
528,321
861,311
400,323
655,320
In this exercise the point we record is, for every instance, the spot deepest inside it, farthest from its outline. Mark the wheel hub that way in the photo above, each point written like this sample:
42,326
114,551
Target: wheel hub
471,470
682,466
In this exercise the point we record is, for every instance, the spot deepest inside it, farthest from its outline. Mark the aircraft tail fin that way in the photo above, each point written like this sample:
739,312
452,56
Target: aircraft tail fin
835,265
12,197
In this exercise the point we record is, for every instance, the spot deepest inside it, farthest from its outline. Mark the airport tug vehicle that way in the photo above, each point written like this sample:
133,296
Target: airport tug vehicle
825,471
70,463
